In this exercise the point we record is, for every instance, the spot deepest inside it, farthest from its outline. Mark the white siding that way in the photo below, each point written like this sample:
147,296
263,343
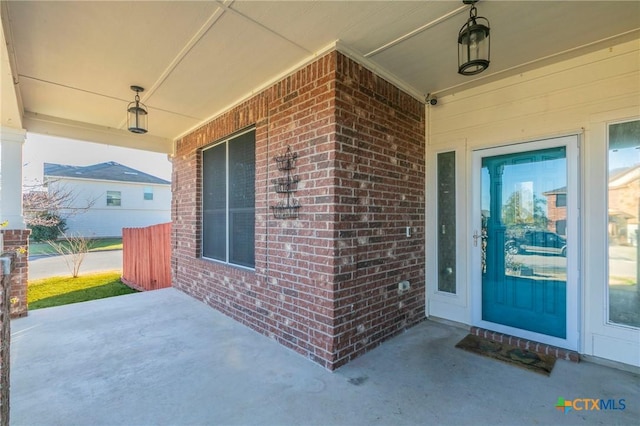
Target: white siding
101,220
578,96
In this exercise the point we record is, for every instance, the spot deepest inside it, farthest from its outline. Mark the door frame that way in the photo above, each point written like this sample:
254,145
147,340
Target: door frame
474,276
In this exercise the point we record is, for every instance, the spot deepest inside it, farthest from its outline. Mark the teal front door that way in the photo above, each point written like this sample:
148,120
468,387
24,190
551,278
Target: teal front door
524,238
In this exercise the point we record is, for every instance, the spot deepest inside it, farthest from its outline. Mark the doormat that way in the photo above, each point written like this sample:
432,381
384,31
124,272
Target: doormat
539,363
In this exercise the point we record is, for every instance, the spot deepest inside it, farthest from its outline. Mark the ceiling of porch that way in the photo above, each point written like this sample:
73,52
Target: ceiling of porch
71,63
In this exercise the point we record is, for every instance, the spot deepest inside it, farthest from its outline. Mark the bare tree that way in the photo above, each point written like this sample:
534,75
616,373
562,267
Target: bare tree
43,202
73,249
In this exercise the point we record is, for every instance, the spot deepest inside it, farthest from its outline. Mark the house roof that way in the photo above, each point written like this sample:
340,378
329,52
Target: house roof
617,177
623,176
103,171
562,190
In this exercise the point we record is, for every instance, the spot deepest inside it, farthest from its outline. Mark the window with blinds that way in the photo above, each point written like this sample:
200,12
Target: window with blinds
228,201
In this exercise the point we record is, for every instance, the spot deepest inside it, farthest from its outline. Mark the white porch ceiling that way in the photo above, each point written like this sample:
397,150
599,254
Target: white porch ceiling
73,62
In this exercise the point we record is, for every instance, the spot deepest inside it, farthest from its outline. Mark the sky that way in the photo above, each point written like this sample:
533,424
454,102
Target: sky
532,178
39,149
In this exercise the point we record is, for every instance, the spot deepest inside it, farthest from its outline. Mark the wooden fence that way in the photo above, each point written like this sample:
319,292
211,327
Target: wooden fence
146,257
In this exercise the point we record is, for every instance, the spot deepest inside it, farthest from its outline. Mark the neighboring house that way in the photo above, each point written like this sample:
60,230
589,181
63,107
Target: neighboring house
557,210
624,190
108,197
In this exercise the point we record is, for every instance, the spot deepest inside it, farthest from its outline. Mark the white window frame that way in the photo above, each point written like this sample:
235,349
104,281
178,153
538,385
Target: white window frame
111,197
607,302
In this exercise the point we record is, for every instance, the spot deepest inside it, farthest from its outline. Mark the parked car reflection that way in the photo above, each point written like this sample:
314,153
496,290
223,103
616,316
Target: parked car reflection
542,242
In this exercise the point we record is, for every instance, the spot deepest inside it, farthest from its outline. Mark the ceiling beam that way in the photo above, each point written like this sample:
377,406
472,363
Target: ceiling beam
60,127
195,39
416,31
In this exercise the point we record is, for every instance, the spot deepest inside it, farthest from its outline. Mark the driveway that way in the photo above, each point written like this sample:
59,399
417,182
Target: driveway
164,358
51,266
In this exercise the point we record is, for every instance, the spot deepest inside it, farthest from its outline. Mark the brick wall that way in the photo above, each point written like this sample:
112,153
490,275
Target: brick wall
381,185
5,336
555,213
322,282
16,241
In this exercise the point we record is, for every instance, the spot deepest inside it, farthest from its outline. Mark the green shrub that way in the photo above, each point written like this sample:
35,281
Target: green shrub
47,227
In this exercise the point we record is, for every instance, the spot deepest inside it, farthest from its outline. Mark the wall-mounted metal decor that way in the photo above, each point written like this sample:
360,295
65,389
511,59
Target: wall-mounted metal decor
289,207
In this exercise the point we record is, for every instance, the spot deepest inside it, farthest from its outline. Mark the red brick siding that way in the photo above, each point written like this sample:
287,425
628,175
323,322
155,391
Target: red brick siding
554,213
288,297
530,345
5,339
306,268
381,186
16,242
625,199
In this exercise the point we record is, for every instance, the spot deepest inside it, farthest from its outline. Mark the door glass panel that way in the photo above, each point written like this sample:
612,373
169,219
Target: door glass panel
447,222
524,264
624,209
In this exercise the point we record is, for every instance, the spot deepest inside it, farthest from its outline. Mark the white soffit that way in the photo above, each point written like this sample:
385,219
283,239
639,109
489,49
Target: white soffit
101,47
221,69
521,32
362,25
75,61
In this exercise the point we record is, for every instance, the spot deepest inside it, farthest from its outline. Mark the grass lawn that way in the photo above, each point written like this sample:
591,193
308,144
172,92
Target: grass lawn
56,291
98,245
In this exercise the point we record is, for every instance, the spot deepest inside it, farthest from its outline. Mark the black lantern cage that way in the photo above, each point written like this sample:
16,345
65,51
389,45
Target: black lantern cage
474,44
137,113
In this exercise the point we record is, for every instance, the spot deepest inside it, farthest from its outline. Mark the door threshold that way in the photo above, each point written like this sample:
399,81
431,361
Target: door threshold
530,345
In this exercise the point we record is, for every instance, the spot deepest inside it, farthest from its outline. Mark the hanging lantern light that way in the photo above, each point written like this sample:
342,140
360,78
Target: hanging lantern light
137,113
473,43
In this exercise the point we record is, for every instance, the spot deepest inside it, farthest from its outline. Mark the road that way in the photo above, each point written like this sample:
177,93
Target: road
622,263
51,266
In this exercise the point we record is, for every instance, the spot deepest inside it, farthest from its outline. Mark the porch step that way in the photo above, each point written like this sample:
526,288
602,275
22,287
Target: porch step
530,345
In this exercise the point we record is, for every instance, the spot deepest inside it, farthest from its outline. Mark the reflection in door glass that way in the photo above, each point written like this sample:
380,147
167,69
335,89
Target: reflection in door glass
624,209
524,219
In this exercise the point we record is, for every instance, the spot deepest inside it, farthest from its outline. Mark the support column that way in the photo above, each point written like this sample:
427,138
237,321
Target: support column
15,235
11,143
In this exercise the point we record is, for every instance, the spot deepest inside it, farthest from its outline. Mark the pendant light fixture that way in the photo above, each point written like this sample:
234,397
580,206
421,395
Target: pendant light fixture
137,113
473,43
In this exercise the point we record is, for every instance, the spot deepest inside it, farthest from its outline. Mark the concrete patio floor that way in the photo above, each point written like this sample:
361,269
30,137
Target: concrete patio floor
163,358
